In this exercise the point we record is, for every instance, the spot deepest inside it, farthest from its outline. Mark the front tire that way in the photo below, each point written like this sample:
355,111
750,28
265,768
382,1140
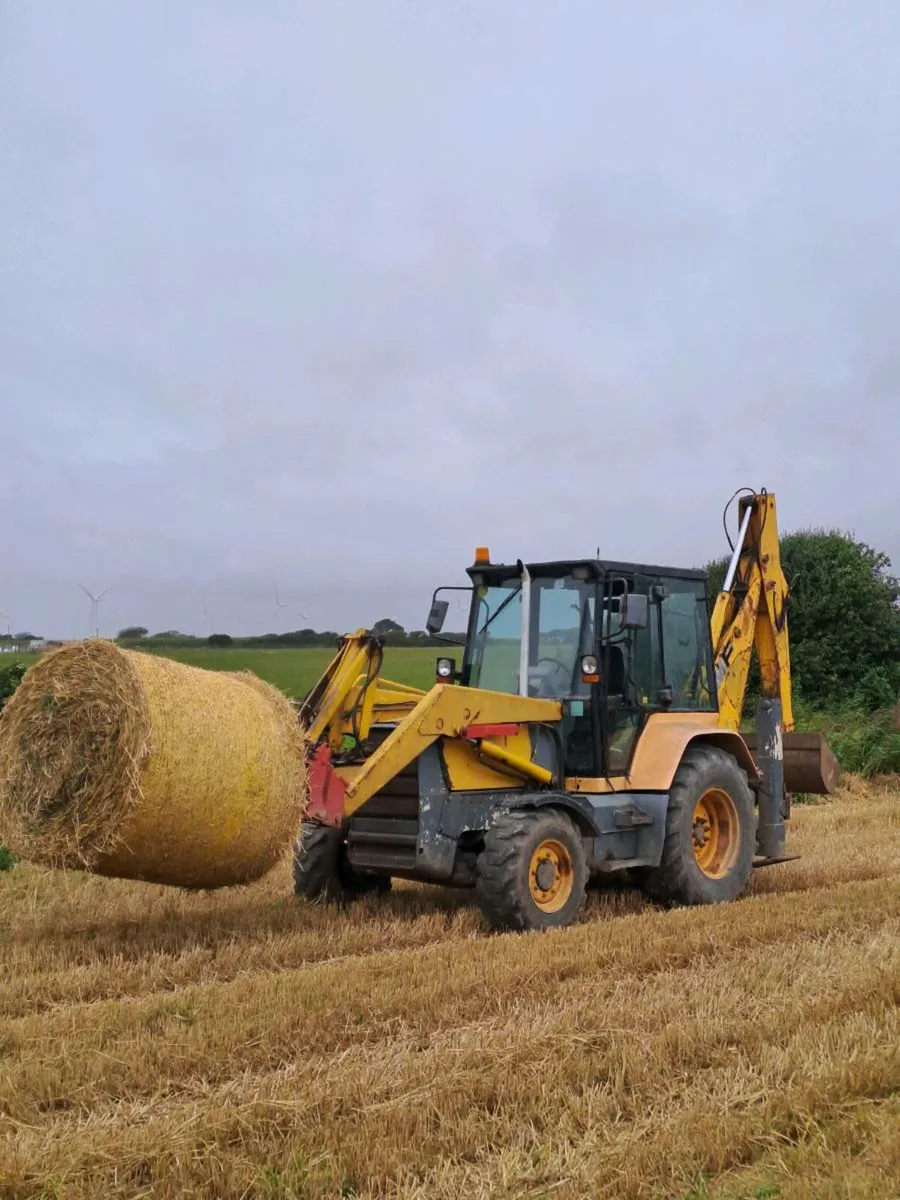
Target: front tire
710,834
321,870
532,872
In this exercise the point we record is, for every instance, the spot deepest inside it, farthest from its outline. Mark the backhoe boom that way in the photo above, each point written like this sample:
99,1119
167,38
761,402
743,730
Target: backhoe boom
751,611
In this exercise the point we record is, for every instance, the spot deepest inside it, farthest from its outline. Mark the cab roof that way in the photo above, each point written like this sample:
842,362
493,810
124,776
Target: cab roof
592,568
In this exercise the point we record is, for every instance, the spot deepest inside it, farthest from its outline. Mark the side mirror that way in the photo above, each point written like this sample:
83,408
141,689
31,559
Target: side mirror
635,612
437,616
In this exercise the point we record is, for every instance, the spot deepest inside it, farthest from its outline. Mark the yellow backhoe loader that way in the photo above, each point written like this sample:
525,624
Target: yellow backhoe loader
592,725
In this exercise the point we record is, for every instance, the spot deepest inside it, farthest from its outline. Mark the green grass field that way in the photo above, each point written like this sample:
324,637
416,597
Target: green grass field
295,671
866,744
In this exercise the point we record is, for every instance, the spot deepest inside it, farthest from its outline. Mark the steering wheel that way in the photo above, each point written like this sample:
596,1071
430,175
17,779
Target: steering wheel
555,663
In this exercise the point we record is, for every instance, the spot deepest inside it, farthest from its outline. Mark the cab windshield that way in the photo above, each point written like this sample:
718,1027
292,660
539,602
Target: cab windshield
561,630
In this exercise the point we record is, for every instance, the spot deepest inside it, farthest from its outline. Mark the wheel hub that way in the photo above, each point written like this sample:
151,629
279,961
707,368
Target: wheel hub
715,833
545,875
701,833
551,875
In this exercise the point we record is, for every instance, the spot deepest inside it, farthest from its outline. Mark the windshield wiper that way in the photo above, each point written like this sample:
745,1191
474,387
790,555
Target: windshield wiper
512,595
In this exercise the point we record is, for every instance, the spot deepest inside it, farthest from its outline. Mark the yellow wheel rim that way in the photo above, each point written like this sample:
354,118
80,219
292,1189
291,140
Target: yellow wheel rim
716,833
551,876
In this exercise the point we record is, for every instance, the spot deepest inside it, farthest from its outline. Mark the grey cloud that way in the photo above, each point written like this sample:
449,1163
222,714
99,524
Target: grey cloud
331,294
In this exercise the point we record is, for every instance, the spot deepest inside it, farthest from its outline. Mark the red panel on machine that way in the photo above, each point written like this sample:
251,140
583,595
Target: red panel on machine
326,789
483,731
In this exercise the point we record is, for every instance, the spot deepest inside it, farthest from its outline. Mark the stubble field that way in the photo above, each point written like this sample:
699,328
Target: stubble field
243,1044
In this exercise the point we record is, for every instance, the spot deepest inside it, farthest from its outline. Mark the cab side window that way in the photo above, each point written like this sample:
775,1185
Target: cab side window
681,658
626,655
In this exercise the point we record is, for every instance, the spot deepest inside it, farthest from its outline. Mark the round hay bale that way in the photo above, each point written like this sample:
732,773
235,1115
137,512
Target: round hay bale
140,767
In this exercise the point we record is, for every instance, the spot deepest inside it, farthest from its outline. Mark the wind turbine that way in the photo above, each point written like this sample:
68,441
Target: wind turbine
280,604
208,615
95,603
8,627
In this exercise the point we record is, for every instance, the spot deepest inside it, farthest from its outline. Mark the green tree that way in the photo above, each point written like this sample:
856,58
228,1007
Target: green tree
10,678
132,633
220,640
386,626
844,619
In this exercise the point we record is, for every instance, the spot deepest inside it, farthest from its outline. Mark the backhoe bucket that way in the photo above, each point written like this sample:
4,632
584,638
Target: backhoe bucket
809,765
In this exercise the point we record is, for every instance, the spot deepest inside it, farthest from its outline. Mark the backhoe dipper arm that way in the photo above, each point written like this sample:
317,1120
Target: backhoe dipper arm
751,610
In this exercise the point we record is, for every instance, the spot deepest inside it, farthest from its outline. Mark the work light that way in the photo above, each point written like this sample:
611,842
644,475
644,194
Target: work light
446,668
590,669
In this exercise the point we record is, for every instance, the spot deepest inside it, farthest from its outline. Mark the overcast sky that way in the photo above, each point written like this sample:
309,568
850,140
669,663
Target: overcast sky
327,294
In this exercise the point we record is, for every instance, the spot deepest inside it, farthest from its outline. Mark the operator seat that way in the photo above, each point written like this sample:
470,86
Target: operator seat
616,680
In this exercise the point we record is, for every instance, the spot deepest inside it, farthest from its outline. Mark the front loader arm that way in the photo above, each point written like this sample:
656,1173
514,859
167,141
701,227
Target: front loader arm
351,694
449,711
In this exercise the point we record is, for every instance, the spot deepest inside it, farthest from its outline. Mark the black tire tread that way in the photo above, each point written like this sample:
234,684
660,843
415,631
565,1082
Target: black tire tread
502,893
677,880
319,873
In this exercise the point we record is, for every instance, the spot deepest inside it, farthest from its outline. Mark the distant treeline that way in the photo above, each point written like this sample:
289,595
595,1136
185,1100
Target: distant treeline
274,641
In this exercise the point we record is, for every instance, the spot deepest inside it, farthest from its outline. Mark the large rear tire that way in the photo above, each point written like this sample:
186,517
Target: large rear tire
707,854
321,870
532,872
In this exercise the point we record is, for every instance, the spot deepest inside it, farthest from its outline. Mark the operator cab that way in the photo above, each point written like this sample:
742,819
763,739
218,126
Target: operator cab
612,642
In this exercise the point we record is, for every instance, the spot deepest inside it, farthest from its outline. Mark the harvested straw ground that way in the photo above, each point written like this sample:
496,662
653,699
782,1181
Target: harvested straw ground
156,1043
131,765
